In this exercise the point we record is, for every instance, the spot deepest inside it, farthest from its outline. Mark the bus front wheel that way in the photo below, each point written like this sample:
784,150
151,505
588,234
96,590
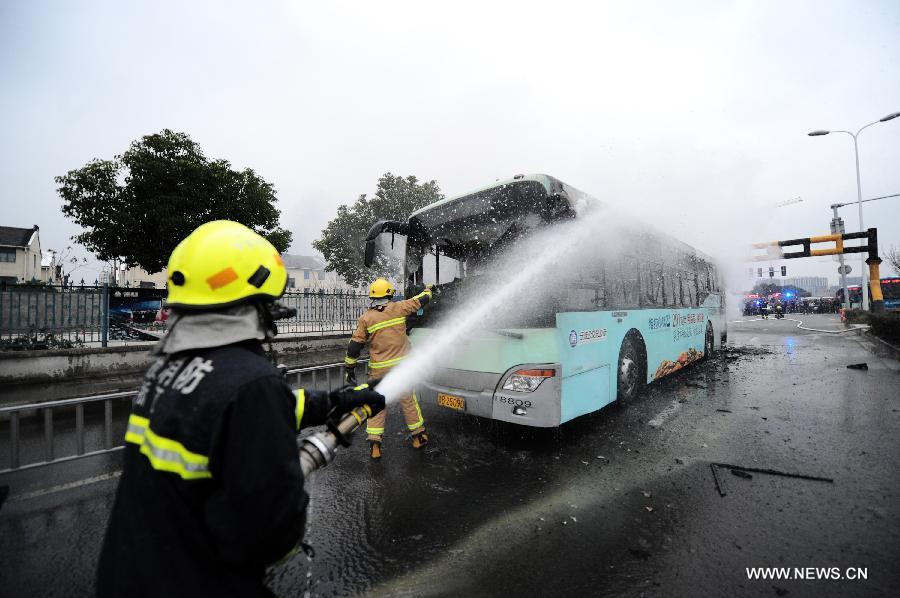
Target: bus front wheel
631,370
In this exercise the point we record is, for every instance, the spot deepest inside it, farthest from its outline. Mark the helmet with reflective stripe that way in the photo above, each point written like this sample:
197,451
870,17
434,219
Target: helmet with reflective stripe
381,289
224,263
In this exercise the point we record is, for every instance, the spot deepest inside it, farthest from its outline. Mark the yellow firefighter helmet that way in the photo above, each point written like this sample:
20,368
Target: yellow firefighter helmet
381,289
224,263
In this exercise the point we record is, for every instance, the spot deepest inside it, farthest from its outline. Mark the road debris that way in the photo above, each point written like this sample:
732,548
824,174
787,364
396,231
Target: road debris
858,366
639,553
744,472
679,460
720,486
724,410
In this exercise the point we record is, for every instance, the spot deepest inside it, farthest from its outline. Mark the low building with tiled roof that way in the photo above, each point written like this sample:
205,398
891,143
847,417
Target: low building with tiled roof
307,273
20,255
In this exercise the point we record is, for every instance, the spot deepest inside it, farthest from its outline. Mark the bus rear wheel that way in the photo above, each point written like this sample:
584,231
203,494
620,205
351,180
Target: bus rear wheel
630,372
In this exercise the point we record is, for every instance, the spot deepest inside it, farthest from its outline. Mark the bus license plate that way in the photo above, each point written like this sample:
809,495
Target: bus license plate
452,402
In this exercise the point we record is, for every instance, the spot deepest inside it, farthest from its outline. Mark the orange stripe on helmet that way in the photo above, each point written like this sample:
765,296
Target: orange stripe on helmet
278,260
222,278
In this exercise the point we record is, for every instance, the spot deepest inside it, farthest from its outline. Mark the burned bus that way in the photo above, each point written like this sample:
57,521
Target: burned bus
593,330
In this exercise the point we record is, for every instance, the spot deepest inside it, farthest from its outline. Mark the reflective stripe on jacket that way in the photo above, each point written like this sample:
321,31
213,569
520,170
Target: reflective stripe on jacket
383,327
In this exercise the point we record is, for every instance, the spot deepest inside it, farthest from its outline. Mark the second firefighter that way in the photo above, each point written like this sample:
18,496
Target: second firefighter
383,328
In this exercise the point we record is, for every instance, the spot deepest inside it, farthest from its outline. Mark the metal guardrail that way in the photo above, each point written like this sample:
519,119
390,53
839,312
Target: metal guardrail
17,413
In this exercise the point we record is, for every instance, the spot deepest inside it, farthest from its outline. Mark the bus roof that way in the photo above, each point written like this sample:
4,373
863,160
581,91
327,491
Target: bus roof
437,212
549,183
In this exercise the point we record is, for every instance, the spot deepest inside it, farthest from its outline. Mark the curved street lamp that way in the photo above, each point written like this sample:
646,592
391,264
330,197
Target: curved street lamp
862,258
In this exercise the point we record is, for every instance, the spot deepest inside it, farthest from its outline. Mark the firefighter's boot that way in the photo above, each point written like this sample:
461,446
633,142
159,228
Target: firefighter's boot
375,449
419,440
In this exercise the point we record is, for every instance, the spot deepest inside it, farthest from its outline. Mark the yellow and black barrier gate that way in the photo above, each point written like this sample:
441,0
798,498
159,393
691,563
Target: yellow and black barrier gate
775,250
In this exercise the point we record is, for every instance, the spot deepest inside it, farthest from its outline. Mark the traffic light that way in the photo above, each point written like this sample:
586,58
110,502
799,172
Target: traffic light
771,272
784,270
759,272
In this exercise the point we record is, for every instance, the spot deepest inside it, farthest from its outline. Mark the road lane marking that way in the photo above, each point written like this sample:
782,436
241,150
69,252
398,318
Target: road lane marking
665,414
62,487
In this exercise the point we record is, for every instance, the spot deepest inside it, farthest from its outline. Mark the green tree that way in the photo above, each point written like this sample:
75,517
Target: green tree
343,239
137,206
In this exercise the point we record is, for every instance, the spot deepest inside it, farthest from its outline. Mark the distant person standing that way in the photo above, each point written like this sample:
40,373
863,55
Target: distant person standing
764,309
383,328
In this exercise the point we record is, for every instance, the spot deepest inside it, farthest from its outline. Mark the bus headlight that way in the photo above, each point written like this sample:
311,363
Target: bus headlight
527,380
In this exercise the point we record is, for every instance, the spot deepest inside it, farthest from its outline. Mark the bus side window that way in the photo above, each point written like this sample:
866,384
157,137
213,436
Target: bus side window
672,294
690,294
651,284
679,287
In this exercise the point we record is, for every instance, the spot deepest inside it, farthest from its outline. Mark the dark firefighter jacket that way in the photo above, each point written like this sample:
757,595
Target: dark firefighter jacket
211,490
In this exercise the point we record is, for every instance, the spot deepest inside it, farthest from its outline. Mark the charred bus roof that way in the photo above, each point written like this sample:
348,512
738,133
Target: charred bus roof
538,197
480,218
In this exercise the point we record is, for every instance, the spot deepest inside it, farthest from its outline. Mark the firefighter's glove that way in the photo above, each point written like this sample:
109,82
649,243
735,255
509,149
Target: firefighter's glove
348,398
350,376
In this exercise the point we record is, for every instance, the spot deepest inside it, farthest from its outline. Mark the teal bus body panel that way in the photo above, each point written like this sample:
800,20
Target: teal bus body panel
584,393
586,346
495,353
586,341
589,344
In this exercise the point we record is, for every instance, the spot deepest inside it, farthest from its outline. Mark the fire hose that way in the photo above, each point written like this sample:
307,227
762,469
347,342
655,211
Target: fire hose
318,450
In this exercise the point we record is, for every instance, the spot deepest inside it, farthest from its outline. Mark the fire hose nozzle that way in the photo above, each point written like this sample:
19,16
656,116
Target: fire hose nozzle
318,450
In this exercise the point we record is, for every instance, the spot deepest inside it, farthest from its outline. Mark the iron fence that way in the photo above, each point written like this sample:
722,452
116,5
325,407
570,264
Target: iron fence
64,430
46,316
40,317
323,311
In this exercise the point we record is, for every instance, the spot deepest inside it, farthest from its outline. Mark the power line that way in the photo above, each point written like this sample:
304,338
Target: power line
850,203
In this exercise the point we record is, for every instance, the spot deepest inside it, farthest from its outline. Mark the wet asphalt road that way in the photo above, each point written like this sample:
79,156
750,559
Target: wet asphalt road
619,503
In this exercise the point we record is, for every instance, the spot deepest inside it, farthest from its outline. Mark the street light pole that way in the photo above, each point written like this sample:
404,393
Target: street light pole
862,259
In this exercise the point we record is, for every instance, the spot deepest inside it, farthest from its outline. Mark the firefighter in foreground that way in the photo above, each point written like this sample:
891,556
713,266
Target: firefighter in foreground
212,490
383,327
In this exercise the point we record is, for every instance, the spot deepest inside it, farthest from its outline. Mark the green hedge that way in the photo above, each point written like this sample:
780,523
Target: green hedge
884,325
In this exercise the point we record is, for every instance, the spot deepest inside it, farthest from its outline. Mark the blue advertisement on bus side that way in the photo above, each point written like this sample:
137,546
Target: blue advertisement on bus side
590,343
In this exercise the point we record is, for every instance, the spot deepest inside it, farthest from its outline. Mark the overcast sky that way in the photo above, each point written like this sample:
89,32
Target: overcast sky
692,114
